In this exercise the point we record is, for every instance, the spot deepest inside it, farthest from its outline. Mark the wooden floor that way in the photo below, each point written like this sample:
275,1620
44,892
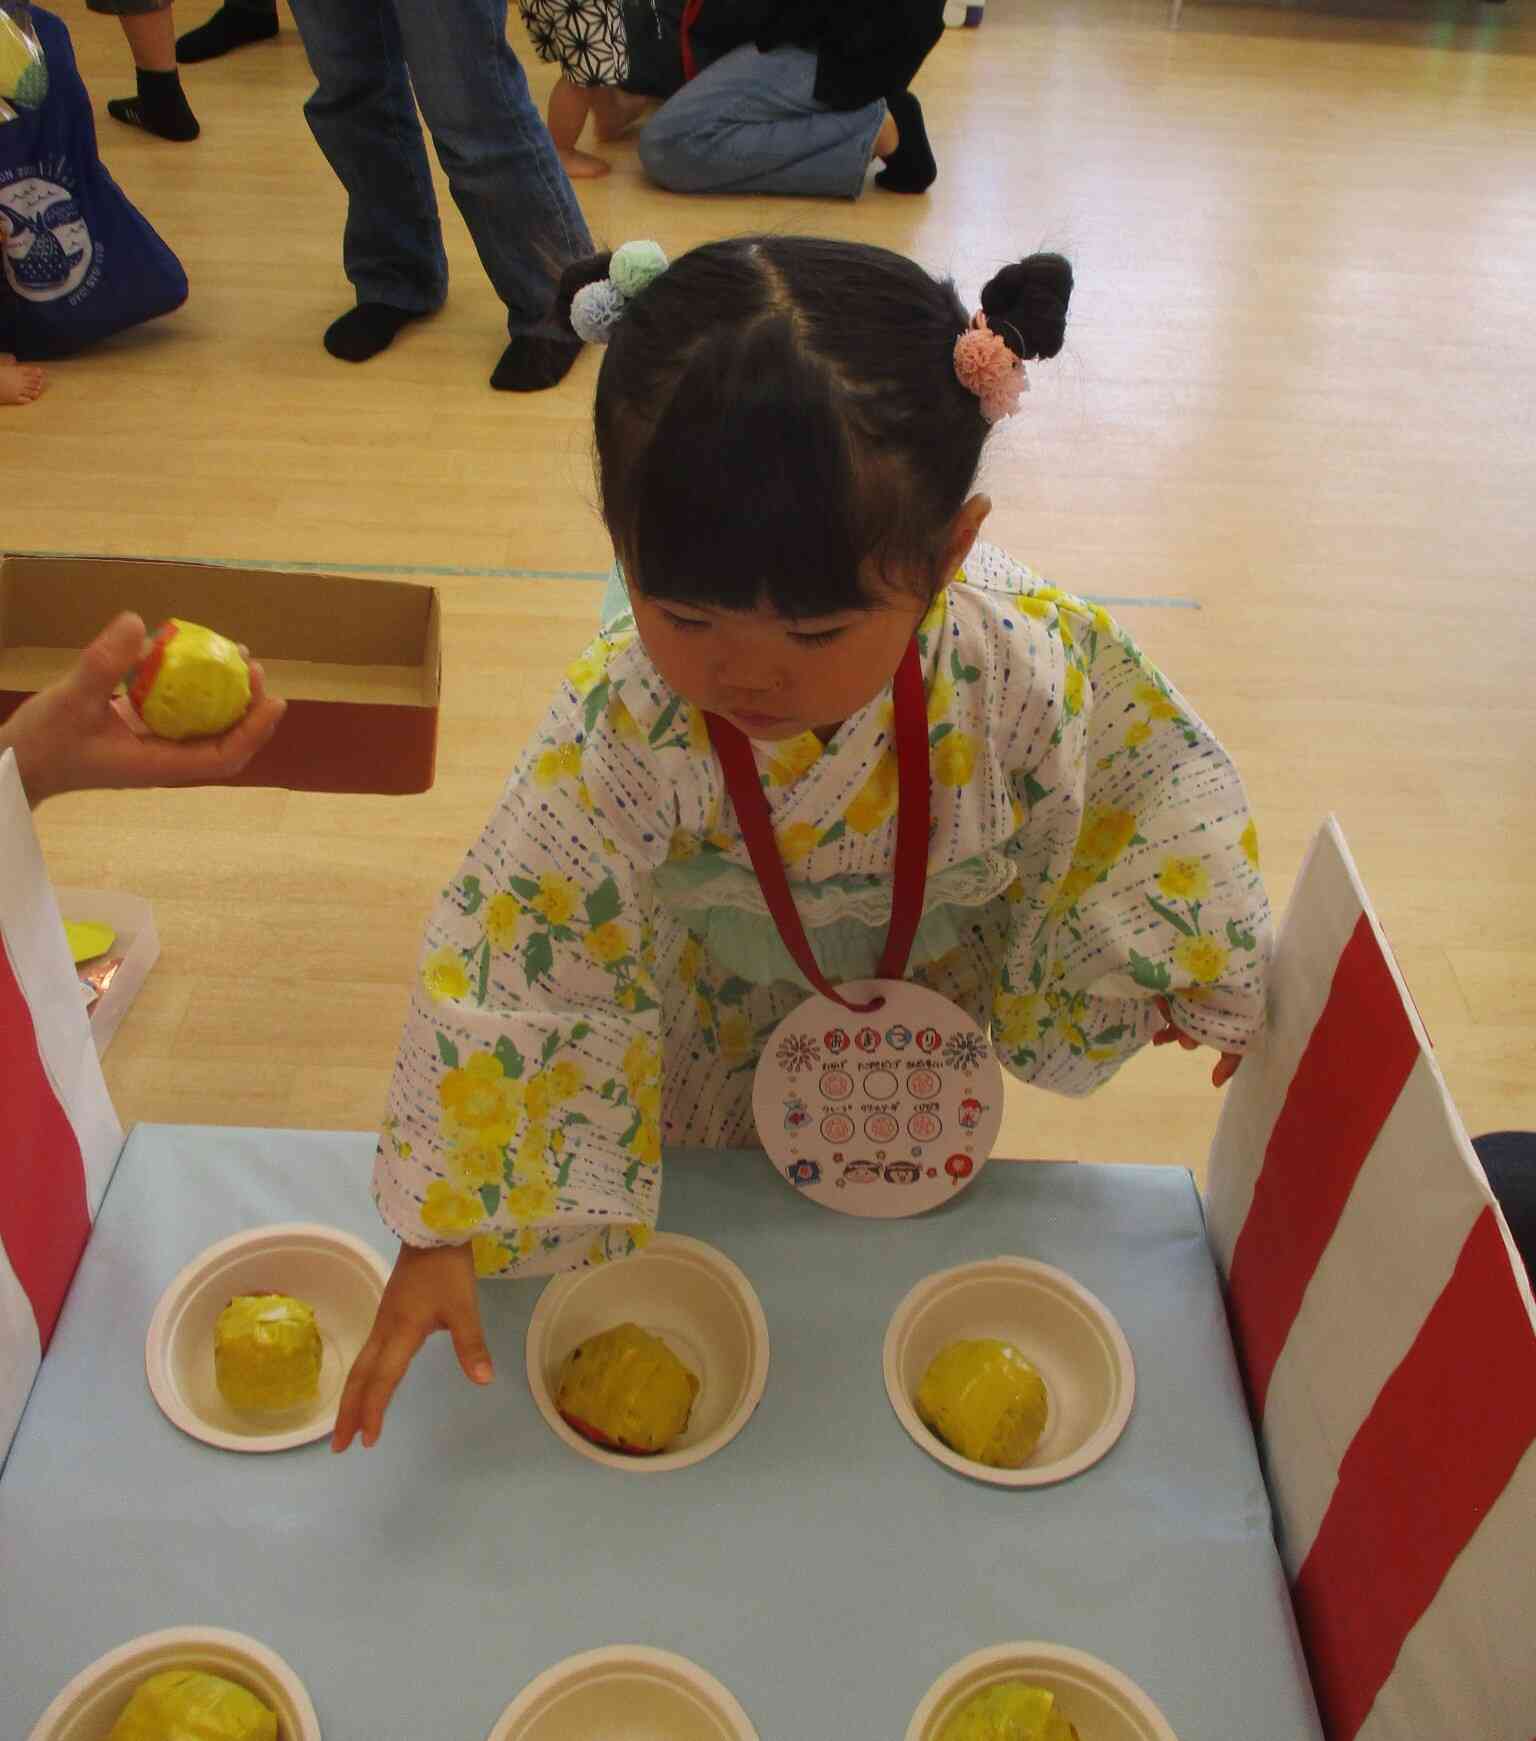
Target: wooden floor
1293,426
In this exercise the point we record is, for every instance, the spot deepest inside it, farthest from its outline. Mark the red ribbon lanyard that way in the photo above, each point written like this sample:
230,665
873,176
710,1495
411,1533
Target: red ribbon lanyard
911,868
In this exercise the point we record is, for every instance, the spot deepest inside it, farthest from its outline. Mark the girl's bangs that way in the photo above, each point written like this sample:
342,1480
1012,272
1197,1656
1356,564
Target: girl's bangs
748,532
745,494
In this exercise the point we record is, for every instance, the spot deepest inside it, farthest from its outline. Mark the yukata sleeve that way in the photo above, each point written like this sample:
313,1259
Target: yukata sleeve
524,1111
1138,875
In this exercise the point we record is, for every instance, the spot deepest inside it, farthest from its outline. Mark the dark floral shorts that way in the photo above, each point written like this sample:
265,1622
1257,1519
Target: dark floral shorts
585,37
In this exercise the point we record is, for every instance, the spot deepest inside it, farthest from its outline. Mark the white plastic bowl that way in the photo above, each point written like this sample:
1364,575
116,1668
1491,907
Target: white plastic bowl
698,1302
1066,1333
338,1274
1101,1703
624,1692
94,1700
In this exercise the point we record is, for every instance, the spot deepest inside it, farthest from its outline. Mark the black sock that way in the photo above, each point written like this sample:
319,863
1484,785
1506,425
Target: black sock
530,364
911,167
230,27
160,108
364,331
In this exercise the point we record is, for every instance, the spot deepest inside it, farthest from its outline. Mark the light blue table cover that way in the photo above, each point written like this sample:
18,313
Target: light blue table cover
822,1566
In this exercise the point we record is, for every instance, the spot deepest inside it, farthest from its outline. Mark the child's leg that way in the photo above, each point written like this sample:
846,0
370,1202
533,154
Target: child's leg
161,105
568,108
20,383
614,111
151,39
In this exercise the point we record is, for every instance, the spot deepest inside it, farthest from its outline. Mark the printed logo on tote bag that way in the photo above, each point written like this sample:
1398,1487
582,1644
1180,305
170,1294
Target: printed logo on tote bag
48,249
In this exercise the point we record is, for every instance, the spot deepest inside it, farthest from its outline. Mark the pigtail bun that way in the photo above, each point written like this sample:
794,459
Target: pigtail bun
1026,304
580,273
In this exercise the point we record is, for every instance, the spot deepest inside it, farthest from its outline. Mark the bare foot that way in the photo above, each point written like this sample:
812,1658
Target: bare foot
582,165
888,138
20,383
614,112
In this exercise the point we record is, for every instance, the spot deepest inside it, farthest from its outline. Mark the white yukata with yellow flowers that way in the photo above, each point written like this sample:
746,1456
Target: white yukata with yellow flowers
599,977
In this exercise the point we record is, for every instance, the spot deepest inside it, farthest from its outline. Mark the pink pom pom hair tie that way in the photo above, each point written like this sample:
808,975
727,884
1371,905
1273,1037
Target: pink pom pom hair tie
985,366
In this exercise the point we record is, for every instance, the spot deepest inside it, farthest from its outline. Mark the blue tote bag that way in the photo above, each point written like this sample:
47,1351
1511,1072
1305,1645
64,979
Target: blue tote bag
80,263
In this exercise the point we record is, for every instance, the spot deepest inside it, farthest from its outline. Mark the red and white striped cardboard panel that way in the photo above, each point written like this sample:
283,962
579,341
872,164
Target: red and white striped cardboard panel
1387,1336
59,1137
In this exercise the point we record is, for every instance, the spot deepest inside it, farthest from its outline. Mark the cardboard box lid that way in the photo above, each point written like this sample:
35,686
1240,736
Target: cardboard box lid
321,637
358,660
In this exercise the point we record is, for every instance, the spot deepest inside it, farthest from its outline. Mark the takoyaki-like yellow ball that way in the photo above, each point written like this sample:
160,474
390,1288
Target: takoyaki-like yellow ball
986,1401
626,1390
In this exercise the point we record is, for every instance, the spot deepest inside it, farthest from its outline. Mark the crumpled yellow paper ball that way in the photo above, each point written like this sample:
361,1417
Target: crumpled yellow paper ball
192,683
183,1704
625,1389
986,1401
267,1352
1010,1711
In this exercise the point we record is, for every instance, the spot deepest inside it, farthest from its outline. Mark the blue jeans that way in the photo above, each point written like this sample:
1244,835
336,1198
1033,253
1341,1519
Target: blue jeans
367,56
750,124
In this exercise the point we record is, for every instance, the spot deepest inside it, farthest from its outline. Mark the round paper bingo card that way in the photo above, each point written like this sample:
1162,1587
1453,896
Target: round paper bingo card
886,1113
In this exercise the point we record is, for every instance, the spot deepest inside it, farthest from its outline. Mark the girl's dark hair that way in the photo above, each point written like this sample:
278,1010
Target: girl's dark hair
774,413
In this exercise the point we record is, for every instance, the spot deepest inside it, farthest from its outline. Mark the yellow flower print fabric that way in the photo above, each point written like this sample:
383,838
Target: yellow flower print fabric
577,1005
1137,878
525,1107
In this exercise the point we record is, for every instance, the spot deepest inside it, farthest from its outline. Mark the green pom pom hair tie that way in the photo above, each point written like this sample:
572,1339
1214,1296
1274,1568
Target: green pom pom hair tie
596,309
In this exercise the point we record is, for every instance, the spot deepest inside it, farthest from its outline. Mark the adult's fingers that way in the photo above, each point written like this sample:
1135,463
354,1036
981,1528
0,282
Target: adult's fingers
249,734
206,762
253,729
108,659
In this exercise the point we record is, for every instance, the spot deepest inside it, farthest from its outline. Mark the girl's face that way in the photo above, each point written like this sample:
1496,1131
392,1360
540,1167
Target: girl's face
775,677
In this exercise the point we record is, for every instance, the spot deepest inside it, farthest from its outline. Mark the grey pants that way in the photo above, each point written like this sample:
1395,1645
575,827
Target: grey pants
749,124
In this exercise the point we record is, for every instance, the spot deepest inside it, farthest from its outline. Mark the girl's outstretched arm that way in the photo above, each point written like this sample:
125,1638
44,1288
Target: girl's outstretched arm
523,1133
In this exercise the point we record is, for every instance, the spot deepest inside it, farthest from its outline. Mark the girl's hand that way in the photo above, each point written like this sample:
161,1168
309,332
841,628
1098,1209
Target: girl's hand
430,1289
74,735
1225,1069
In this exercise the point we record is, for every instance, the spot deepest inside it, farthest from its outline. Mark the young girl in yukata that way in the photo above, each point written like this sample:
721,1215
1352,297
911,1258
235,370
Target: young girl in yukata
788,432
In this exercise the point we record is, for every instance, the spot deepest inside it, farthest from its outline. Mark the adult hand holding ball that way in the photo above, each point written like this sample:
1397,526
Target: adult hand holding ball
81,732
192,683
